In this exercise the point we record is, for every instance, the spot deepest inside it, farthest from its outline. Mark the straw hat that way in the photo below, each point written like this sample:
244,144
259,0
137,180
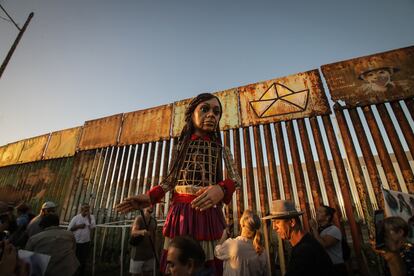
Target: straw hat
283,209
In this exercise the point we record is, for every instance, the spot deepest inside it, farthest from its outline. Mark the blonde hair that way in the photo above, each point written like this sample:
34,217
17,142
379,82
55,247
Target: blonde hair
251,223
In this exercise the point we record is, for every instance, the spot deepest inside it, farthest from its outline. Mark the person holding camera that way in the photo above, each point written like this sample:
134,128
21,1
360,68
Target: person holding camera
81,226
397,252
142,234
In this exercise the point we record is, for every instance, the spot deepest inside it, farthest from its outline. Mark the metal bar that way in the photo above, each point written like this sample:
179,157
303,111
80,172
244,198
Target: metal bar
84,196
310,163
381,149
143,168
80,182
165,161
134,180
107,183
368,156
410,106
67,171
399,152
404,125
228,207
17,174
271,162
89,193
284,166
120,183
261,176
96,175
355,167
251,198
344,185
299,177
130,169
238,162
102,176
69,189
325,168
58,165
157,168
150,167
114,183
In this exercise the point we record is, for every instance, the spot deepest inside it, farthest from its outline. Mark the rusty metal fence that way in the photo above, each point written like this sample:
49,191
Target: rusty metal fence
285,140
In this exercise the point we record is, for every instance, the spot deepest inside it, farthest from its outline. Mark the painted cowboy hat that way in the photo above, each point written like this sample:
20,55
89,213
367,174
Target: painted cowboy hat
283,209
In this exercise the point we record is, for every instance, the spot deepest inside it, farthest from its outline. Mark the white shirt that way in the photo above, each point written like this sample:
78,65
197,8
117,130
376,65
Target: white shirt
335,251
82,235
240,258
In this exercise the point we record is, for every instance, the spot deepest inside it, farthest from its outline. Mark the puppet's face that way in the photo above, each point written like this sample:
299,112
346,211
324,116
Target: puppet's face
206,116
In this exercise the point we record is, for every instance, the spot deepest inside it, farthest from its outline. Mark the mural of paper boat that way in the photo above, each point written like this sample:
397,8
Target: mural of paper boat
279,99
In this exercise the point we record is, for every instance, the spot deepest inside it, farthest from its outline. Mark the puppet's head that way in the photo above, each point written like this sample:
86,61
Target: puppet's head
202,115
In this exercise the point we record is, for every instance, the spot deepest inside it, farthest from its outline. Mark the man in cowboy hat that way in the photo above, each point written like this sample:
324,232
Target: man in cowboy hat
308,256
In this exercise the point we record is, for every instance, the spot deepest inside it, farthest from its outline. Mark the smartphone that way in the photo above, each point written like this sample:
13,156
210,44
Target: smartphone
379,229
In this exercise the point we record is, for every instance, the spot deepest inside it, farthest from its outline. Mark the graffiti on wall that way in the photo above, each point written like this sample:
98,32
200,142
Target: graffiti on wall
373,79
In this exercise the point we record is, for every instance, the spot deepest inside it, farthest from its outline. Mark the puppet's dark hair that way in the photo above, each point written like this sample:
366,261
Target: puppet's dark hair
186,133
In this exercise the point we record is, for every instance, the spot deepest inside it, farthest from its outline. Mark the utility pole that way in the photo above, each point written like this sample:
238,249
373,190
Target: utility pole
19,36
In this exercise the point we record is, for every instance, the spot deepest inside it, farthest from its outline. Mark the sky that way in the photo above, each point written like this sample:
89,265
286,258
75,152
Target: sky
85,59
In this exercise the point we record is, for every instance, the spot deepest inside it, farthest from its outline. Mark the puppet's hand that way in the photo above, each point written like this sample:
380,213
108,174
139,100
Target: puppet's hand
208,197
134,203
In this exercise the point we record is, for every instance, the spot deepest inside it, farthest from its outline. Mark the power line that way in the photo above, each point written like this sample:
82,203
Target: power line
11,19
5,19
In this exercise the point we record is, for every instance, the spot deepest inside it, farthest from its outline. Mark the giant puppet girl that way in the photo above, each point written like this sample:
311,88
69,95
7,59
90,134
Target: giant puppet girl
196,181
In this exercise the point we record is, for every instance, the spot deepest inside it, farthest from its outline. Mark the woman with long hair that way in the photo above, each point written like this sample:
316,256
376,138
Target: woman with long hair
196,182
245,254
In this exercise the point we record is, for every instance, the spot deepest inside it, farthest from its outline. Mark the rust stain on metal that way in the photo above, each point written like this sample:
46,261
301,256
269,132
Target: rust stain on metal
402,159
2,150
147,125
270,151
11,154
355,167
344,185
310,163
41,175
261,177
377,78
383,154
284,165
249,169
63,143
100,133
33,149
230,102
404,125
368,156
179,117
296,96
237,161
299,177
325,168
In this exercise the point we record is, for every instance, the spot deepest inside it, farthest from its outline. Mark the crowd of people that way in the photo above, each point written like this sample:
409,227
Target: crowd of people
66,250
196,239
